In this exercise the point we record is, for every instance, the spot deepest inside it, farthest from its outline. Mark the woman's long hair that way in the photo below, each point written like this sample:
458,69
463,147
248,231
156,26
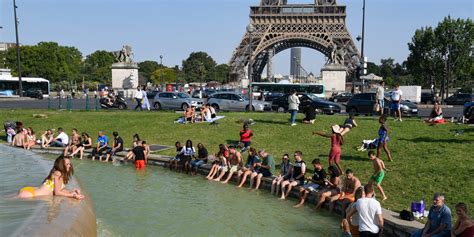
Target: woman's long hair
189,144
61,167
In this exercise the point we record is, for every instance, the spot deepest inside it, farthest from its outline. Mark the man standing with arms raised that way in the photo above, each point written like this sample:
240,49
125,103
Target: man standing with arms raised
369,212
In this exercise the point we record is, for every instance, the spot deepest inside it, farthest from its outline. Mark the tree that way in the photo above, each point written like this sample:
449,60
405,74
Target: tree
198,66
164,75
220,73
373,68
98,66
441,56
147,68
48,60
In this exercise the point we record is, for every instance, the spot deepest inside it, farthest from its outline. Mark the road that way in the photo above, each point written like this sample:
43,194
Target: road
80,104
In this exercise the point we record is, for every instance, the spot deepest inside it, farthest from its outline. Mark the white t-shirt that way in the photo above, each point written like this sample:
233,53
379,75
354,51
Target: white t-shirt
368,209
380,93
138,94
396,94
188,151
64,138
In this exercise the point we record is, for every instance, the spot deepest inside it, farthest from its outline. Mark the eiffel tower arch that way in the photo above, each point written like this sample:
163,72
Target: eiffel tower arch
279,26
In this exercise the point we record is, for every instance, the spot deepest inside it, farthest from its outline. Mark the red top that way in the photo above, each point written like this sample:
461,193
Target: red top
245,135
468,232
335,142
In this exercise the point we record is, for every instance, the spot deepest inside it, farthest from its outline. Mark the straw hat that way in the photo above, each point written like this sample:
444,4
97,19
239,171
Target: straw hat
336,128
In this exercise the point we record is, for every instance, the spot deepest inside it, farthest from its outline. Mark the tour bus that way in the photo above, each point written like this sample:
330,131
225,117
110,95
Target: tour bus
273,89
34,87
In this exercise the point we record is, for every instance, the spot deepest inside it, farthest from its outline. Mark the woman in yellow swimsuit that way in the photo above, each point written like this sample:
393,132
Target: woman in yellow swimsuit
61,173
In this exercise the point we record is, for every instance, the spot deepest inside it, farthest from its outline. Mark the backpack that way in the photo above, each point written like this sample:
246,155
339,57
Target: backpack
407,215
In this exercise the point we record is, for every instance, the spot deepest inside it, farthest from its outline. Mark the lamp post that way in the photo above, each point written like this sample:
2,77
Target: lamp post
161,71
362,43
250,30
20,87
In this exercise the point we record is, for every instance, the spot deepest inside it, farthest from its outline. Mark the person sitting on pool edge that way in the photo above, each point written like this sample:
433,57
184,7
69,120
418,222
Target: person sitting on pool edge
61,173
317,182
266,168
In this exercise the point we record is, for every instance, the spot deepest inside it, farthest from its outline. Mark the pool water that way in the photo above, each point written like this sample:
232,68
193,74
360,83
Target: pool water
159,202
19,168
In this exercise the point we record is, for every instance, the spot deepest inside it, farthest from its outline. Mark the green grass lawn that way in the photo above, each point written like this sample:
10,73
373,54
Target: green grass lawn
427,159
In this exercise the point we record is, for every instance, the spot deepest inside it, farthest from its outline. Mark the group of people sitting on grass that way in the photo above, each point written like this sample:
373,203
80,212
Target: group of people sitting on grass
207,114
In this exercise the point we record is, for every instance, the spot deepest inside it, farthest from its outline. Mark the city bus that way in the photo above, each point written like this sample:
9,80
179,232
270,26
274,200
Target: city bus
9,86
275,88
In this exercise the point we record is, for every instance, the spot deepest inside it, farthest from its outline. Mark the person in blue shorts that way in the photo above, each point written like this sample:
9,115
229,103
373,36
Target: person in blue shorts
382,140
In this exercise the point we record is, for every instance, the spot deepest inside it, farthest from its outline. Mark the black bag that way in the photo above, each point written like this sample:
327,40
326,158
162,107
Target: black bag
407,215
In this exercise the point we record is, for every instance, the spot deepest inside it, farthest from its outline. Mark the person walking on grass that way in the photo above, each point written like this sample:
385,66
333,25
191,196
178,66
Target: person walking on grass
138,97
382,140
336,141
293,104
379,173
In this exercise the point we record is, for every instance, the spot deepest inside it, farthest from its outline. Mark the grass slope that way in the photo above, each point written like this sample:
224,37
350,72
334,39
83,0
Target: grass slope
428,159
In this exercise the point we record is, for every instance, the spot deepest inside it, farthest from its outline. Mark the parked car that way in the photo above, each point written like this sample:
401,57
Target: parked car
175,100
341,97
33,93
280,104
459,99
364,103
204,94
231,101
469,112
427,98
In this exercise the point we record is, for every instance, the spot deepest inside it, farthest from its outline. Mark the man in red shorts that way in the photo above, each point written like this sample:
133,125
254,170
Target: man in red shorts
140,158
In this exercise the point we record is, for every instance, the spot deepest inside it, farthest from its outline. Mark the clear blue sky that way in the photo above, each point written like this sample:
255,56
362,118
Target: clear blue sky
175,28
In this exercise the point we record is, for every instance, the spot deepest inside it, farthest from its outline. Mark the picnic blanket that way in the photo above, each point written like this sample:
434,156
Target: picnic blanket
212,120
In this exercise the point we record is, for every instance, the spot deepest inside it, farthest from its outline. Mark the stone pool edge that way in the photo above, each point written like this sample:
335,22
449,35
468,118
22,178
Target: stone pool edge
393,225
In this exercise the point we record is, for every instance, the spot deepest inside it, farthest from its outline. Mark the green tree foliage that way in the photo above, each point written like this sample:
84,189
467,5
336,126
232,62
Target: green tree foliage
164,75
220,73
98,67
198,67
441,56
147,68
48,60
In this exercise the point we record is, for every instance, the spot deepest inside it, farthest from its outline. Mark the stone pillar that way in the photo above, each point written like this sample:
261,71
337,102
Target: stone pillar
270,65
334,78
124,77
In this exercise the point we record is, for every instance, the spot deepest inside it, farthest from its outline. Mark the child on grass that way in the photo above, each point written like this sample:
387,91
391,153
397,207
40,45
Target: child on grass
379,173
245,137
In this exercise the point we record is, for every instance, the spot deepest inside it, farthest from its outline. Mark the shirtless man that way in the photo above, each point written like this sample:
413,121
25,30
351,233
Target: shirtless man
188,115
349,187
234,161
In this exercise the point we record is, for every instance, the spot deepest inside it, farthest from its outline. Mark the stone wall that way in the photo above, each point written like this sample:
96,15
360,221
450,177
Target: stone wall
393,226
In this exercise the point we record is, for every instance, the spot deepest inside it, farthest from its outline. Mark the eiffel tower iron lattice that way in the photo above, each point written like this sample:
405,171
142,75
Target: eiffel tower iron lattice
279,26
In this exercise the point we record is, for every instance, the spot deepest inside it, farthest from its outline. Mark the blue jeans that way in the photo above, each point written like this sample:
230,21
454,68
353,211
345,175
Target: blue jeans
293,116
57,143
419,233
197,163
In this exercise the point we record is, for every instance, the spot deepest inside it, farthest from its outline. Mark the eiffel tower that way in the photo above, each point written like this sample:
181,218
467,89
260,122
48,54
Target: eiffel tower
278,26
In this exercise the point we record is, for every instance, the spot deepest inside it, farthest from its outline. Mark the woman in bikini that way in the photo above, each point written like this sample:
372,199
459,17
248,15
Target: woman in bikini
59,175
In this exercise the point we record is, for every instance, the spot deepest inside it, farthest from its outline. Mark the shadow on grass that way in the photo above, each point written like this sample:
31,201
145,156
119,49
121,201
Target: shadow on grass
232,142
466,130
430,139
271,121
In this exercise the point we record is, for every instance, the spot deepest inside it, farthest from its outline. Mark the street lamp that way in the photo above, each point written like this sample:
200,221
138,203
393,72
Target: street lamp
20,86
250,30
362,45
161,71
